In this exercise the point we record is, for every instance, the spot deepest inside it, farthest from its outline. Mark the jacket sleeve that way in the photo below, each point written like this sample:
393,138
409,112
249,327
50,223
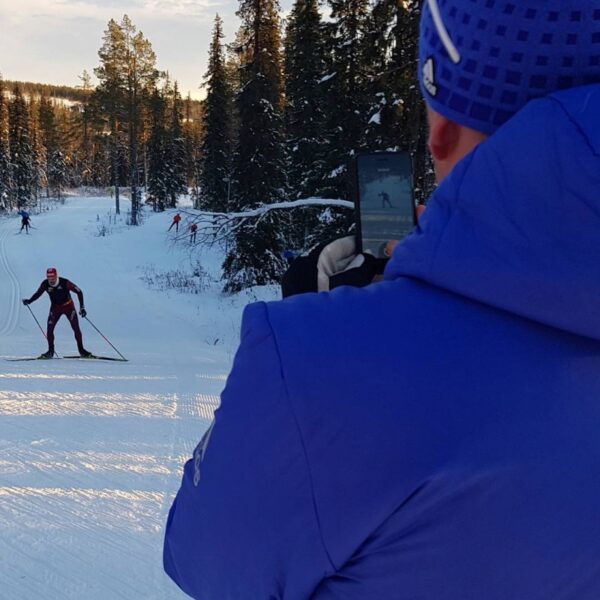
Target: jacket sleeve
43,287
243,524
73,288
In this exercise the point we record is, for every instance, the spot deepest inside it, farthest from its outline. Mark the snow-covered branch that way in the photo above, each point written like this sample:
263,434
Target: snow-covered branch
217,226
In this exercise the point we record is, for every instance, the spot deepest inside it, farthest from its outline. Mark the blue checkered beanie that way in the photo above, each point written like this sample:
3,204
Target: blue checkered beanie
481,61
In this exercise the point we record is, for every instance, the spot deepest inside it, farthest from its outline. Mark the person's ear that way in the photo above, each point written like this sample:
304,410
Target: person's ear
444,138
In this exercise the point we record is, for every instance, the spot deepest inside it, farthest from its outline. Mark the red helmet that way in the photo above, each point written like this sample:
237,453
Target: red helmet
51,273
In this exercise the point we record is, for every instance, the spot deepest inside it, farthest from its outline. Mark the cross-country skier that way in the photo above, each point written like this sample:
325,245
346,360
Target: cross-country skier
59,289
25,224
175,223
193,231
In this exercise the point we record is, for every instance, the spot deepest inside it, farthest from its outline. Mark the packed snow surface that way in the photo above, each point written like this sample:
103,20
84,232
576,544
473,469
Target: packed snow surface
91,452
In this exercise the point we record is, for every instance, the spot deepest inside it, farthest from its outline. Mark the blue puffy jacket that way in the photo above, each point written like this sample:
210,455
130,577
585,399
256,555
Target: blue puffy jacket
435,436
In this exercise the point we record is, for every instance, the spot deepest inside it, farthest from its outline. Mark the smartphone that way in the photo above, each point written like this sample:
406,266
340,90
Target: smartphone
384,201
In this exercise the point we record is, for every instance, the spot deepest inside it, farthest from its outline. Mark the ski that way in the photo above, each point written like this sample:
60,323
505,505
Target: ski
30,358
94,357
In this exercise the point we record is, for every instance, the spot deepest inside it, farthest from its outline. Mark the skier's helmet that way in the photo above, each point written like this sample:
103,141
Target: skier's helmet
51,275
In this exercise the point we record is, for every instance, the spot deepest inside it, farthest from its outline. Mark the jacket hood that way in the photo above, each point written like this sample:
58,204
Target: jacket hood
516,225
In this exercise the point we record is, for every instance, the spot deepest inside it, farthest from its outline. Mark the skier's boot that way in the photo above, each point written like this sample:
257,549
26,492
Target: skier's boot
48,354
84,353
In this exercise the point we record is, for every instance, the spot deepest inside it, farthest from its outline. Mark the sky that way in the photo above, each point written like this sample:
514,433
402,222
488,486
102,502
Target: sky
54,41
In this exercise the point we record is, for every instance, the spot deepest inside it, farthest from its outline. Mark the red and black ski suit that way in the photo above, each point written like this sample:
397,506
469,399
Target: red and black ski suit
61,304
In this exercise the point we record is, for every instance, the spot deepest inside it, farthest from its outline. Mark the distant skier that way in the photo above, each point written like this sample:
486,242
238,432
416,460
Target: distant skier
193,231
25,220
175,223
385,200
59,289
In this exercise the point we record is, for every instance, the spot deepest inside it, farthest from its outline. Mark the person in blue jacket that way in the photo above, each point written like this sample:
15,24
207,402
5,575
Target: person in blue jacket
25,220
434,436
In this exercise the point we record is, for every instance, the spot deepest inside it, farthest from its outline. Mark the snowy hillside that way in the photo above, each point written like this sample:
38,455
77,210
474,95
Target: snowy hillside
91,452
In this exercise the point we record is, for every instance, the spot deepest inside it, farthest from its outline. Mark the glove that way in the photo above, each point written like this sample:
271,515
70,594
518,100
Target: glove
82,312
331,265
26,302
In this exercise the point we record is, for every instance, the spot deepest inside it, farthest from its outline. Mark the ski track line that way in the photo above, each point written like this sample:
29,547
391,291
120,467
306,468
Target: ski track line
12,313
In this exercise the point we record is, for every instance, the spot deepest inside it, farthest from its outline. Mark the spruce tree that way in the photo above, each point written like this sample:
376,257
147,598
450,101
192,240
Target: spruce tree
304,116
5,175
344,88
84,123
48,139
259,178
216,161
157,151
175,155
37,173
191,145
22,156
397,118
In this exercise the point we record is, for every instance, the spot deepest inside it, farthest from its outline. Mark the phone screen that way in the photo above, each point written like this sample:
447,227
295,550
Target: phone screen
385,204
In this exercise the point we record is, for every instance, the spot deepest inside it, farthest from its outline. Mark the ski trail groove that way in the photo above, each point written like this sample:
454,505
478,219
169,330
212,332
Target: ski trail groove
12,312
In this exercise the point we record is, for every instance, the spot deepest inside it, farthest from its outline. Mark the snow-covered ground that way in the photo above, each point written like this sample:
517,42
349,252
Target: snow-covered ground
91,452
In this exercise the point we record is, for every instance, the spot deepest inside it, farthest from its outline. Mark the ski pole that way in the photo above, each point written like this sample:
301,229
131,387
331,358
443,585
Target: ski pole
86,318
38,324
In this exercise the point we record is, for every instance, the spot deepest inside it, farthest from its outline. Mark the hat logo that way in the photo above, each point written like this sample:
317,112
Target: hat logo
429,76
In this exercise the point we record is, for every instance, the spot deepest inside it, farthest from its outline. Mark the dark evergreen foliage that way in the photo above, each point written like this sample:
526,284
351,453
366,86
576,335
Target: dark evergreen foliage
53,164
259,167
344,87
175,180
304,114
216,154
5,175
157,148
397,117
22,156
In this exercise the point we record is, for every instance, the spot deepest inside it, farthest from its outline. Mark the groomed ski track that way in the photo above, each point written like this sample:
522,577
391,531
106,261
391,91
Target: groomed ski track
91,451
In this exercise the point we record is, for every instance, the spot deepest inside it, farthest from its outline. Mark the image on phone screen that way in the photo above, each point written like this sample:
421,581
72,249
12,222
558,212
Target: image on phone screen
385,205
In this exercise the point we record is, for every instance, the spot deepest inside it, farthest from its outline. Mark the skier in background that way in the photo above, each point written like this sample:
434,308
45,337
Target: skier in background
193,231
59,289
175,223
385,200
25,220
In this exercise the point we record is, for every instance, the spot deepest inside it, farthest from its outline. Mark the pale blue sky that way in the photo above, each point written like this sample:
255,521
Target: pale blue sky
53,42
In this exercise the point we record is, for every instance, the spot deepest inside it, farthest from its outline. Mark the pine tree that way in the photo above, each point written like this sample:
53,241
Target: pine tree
5,175
216,161
22,157
109,97
255,257
140,79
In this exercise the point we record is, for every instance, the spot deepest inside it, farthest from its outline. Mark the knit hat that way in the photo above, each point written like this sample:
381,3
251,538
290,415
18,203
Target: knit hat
481,61
51,272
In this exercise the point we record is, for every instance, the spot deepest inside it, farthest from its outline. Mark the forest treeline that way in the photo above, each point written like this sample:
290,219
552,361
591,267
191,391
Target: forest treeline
287,107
